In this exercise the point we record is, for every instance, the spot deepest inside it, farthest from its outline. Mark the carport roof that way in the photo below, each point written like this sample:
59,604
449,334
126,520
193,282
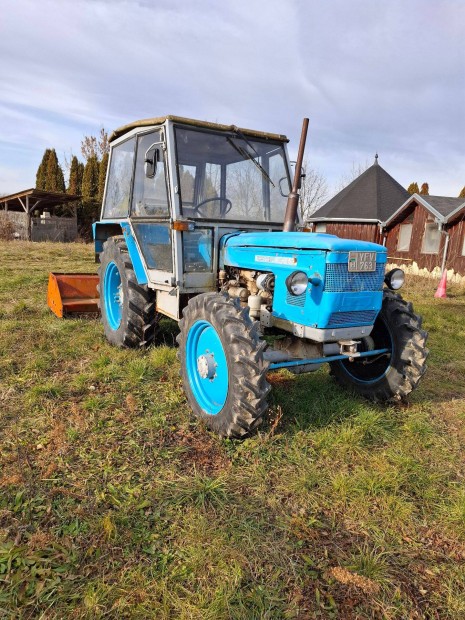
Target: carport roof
29,199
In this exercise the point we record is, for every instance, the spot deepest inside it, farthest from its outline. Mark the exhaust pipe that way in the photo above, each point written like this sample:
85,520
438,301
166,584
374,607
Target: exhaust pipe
293,198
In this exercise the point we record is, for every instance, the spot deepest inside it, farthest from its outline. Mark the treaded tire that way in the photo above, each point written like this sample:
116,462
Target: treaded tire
139,318
247,392
396,326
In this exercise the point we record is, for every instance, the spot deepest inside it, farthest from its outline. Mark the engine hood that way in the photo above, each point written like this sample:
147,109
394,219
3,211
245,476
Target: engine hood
300,241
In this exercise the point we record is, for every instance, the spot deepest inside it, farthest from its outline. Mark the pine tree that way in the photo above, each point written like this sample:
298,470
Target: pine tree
462,193
54,179
80,176
102,176
89,208
90,179
413,188
42,170
424,190
75,176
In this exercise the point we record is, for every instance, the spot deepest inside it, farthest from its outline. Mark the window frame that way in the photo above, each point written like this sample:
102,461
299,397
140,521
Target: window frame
132,214
280,144
121,217
430,223
401,226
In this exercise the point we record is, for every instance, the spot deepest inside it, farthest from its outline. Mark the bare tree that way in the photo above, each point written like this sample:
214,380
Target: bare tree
67,159
95,147
103,142
313,192
355,171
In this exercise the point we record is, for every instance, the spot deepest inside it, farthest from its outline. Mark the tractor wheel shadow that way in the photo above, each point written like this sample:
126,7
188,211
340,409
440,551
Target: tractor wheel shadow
311,400
314,400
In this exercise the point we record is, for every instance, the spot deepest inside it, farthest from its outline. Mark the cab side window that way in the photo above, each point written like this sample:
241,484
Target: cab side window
150,195
119,180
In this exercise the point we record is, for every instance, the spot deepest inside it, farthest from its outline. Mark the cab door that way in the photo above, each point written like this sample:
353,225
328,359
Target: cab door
150,209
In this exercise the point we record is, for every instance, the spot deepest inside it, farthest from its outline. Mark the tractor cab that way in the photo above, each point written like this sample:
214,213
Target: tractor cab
175,187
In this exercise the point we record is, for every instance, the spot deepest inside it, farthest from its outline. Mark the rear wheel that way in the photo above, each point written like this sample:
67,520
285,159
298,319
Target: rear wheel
222,365
128,308
392,375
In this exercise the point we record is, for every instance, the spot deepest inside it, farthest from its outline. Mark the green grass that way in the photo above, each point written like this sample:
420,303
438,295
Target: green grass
116,503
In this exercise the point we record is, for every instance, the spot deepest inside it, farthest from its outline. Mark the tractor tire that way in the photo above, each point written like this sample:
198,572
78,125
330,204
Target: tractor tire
388,377
222,365
127,308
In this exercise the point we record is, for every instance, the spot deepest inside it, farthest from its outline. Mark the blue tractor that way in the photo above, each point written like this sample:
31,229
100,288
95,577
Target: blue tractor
192,228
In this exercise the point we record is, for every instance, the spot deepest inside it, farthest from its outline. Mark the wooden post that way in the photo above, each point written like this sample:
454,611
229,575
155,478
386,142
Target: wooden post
29,226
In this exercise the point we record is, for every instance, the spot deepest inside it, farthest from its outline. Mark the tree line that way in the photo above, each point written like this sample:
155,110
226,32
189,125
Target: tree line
86,178
424,190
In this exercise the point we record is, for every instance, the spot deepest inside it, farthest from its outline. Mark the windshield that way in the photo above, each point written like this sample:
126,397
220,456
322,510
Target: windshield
230,177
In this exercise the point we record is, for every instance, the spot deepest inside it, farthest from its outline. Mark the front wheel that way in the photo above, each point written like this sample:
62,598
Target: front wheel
222,365
393,375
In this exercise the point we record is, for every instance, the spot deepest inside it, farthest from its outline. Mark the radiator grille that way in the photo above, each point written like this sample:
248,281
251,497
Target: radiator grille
339,280
357,317
296,300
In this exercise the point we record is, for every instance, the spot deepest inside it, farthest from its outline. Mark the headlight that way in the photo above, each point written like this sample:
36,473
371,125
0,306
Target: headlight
394,279
297,283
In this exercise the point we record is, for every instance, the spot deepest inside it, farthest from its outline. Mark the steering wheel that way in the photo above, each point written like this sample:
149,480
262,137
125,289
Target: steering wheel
223,211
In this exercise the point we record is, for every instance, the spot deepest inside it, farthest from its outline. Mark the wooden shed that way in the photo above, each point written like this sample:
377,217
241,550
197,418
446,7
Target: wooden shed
429,230
37,215
359,210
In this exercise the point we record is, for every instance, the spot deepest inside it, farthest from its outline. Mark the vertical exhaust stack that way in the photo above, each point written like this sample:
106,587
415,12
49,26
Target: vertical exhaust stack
293,198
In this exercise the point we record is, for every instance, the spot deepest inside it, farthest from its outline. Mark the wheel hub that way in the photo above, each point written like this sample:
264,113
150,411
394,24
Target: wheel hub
206,366
119,295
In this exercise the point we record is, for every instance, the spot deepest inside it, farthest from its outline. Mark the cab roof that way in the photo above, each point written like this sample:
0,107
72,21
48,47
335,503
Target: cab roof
159,120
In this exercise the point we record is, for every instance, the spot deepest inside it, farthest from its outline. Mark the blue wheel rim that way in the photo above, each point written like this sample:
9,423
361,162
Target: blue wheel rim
113,295
211,391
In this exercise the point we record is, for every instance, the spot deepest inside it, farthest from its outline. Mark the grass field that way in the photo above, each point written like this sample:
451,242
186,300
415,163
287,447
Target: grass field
115,503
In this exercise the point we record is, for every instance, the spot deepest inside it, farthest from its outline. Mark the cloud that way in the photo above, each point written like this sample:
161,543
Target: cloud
371,76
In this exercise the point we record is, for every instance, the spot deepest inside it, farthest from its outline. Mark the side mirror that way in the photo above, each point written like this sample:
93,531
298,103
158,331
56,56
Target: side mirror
285,195
152,156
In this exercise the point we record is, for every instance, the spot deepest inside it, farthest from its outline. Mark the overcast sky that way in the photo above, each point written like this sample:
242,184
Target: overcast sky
372,75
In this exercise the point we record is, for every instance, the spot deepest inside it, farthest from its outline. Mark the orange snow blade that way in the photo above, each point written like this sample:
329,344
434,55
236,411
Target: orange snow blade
70,293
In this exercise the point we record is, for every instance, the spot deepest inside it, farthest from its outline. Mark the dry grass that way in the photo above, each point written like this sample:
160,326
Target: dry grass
115,503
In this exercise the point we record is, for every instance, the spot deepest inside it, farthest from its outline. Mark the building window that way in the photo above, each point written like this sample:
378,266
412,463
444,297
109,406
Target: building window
405,234
431,238
320,228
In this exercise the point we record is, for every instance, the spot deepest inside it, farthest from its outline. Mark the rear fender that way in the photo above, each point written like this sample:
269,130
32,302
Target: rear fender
103,230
